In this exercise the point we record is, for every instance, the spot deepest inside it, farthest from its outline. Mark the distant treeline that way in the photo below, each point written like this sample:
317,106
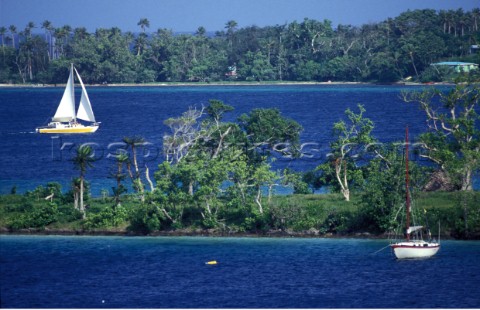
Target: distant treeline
310,50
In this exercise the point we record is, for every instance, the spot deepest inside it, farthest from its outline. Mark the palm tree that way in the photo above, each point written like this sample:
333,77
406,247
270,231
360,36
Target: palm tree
444,17
75,191
133,142
61,39
201,31
459,21
13,31
450,20
82,161
121,159
47,25
115,32
140,43
475,16
80,33
28,29
456,17
143,23
34,52
58,34
67,30
128,37
231,27
3,30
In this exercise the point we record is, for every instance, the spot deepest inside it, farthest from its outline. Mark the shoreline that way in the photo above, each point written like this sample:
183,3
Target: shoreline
186,232
239,83
207,233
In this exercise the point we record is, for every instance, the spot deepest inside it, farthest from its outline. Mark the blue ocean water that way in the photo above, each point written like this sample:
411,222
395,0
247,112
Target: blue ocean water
29,159
166,272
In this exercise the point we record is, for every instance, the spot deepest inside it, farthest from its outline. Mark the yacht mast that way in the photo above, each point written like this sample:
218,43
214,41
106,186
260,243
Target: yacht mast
406,183
73,93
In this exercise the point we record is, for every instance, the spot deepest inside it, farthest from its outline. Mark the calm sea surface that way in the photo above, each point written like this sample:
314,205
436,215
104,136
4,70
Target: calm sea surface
157,272
29,159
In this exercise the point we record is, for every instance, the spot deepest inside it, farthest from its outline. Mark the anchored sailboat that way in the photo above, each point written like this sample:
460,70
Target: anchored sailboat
65,119
413,246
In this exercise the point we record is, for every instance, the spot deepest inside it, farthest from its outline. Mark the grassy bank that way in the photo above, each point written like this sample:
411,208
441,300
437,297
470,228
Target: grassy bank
285,215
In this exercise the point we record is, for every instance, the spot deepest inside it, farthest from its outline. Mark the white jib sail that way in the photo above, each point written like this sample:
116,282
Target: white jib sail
85,111
66,108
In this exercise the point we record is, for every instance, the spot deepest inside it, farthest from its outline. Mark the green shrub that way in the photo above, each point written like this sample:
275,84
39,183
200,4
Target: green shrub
209,222
67,213
38,217
256,222
338,222
106,217
305,223
146,219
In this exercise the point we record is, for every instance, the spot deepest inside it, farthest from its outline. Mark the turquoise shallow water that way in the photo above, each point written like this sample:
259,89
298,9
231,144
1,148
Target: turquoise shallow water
30,159
160,272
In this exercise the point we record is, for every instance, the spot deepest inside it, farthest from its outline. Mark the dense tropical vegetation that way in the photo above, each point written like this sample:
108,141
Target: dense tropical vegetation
310,50
217,177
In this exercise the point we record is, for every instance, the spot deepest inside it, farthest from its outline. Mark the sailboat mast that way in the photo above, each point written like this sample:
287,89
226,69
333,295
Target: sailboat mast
73,93
406,183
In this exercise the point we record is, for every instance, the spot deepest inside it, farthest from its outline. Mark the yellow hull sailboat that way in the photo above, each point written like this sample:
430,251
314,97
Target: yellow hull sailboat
65,118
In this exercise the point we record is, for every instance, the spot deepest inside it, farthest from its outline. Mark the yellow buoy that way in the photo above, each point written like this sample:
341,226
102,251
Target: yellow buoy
212,262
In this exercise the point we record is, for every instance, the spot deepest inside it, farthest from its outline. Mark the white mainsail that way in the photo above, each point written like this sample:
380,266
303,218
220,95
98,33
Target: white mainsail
85,111
413,228
66,108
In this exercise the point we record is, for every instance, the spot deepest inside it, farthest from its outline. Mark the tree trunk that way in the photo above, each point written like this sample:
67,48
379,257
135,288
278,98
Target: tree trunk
190,188
82,208
137,174
222,137
467,180
465,217
242,191
167,215
207,205
343,183
135,164
21,73
270,187
75,199
147,175
119,183
346,194
30,70
257,199
413,63
129,169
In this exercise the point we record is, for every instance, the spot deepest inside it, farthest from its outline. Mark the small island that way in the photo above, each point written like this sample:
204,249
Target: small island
217,179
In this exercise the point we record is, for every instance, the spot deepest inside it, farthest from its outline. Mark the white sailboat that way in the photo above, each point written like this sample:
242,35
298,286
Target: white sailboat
414,246
65,118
